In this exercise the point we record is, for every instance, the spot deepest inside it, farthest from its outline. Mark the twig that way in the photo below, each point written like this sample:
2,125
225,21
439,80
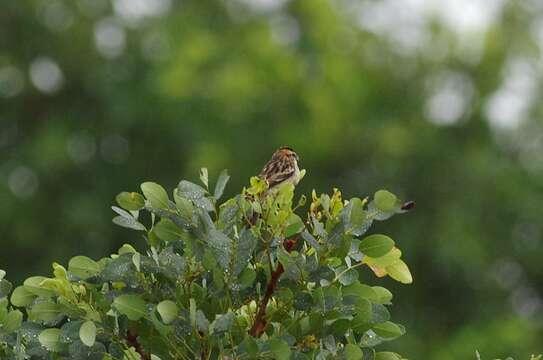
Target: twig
132,340
260,323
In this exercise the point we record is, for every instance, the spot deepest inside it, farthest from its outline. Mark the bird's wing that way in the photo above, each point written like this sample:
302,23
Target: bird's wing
276,172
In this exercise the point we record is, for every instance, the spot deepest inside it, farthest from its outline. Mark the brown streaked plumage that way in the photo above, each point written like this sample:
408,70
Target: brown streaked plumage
282,167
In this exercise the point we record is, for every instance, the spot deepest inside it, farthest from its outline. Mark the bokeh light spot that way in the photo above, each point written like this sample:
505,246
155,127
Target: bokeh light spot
451,94
55,15
508,107
109,38
23,182
46,75
132,11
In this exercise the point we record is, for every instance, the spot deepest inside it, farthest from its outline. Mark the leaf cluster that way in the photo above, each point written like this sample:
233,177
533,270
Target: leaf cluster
246,278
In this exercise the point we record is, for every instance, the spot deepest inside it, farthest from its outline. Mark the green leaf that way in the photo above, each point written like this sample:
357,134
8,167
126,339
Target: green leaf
385,201
364,313
247,277
400,272
49,338
223,323
360,291
258,186
310,239
196,194
45,311
243,251
5,288
87,333
83,267
133,306
130,201
383,295
33,285
222,246
4,302
280,349
379,313
376,245
167,230
168,311
249,346
22,297
388,330
290,263
2,274
12,322
130,354
352,352
294,225
129,223
184,206
126,249
339,327
157,196
359,223
136,260
163,329
221,184
348,277
202,324
387,355
232,254
390,258
204,177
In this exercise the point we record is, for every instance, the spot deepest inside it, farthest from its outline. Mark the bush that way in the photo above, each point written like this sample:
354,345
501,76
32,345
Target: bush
246,279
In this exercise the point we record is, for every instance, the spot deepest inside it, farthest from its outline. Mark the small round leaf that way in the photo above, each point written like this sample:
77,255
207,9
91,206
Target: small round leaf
87,333
12,321
400,272
279,349
22,297
132,306
385,200
157,196
130,201
49,338
168,311
388,330
376,245
33,285
352,352
83,267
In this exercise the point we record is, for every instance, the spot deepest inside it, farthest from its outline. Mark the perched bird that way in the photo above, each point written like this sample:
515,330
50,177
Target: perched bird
282,167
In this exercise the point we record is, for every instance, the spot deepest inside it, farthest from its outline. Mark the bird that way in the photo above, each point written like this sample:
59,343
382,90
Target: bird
282,168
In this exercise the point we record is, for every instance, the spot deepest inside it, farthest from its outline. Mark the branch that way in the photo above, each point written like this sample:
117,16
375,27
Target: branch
132,340
260,323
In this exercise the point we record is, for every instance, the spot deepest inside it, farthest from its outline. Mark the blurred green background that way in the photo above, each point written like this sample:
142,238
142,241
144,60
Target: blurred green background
437,101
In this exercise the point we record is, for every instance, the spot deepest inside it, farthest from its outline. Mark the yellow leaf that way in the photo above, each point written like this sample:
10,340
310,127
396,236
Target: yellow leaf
400,272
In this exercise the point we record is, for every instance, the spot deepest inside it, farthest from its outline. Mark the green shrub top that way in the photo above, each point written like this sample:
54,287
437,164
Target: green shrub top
246,278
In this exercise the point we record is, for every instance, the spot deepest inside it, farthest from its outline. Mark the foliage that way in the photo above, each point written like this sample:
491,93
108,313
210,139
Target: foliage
371,94
246,278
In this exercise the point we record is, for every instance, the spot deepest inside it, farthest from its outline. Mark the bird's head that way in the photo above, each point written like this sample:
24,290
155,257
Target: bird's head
286,152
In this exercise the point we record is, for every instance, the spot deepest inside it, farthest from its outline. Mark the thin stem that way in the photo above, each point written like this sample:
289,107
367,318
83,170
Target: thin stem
260,322
345,271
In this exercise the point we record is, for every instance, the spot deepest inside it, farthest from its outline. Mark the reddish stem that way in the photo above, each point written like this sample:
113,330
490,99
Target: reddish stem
132,340
260,323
